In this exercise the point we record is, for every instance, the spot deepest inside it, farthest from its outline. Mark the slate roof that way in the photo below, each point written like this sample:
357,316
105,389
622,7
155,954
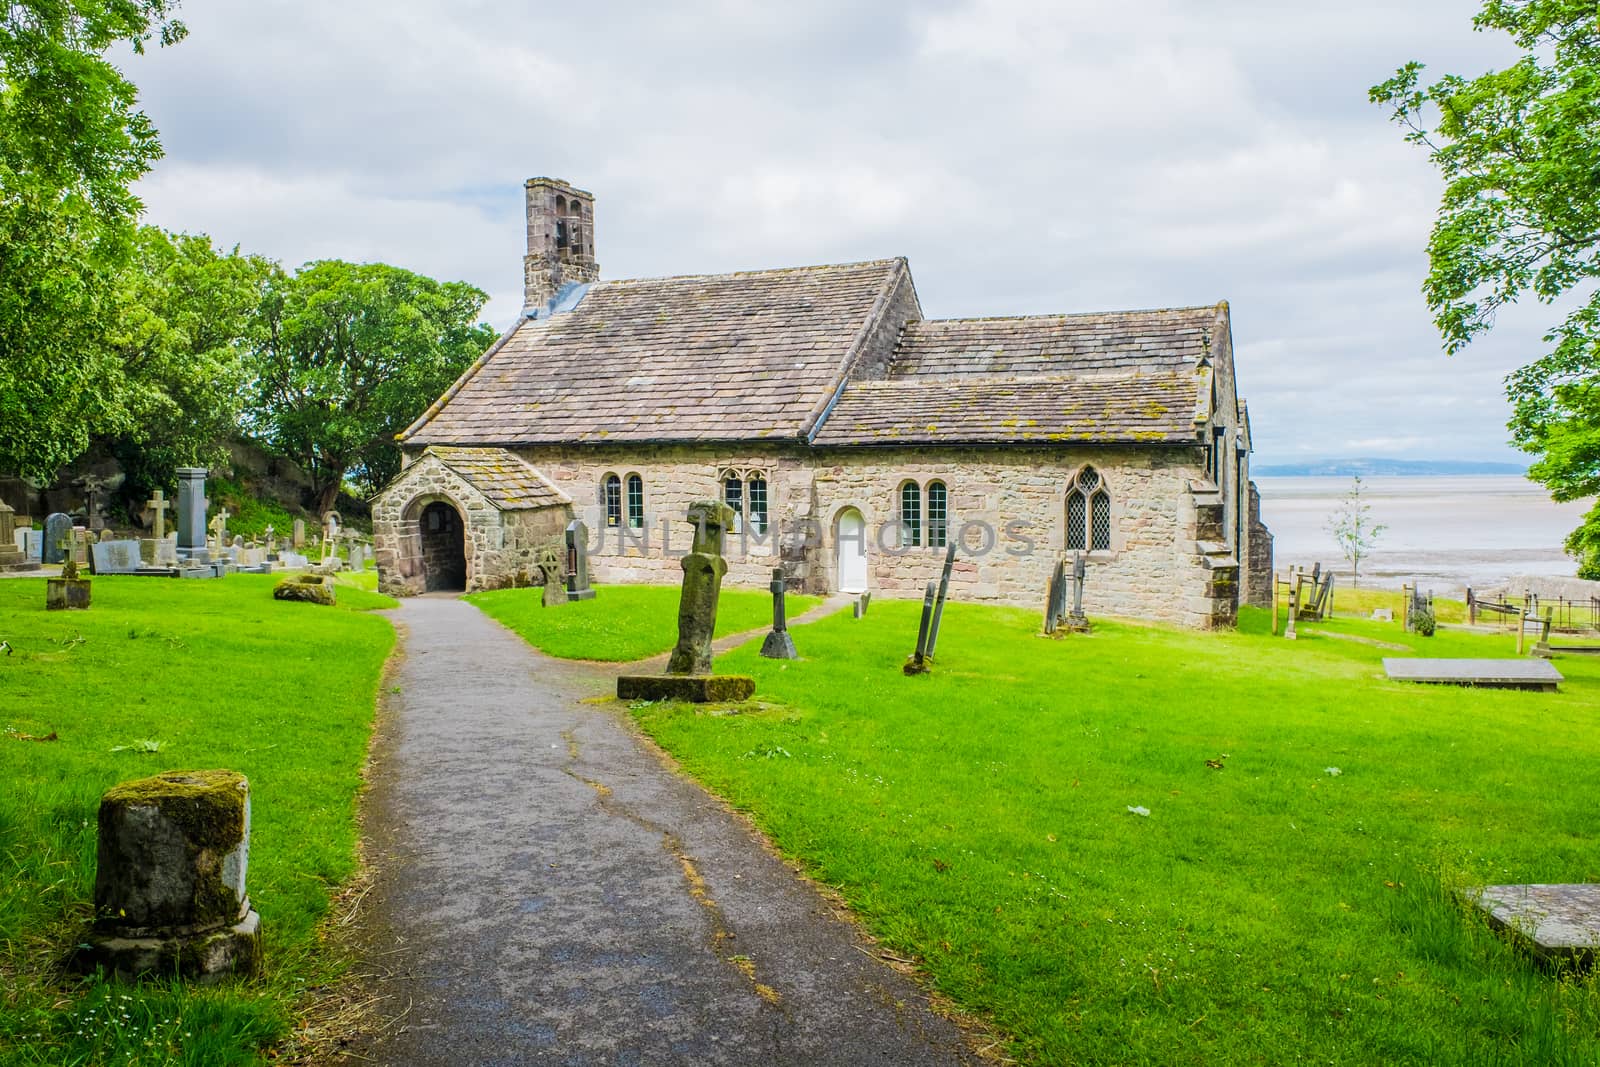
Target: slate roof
1162,339
1031,409
1126,377
509,482
744,356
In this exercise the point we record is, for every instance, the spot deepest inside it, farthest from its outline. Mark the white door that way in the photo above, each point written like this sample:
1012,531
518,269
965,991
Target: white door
852,552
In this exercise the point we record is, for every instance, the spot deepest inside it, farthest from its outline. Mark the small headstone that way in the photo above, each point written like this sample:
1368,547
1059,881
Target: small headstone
293,560
115,557
1076,621
57,531
33,545
167,551
169,886
298,534
1383,615
577,536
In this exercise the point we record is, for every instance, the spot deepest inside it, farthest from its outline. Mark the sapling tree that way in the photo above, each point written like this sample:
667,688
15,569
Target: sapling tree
1354,529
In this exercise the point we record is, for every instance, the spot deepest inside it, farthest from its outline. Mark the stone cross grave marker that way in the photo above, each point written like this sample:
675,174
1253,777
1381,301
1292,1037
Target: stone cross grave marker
688,675
1077,622
577,536
159,503
779,645
57,529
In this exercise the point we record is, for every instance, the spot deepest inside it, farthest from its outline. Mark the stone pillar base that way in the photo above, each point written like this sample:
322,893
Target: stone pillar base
202,957
779,645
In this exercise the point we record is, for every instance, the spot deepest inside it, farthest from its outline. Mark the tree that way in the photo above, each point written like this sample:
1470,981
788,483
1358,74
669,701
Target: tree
184,320
346,355
71,145
1520,213
1353,528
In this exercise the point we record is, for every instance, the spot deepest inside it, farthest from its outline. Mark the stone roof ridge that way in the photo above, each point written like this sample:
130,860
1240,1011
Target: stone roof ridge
764,272
1126,312
898,268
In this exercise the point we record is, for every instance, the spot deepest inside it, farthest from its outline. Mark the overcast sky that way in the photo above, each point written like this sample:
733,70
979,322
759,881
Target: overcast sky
1027,156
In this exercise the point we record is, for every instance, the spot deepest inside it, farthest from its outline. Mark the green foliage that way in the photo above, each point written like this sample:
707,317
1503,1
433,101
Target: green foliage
163,675
71,144
623,622
248,516
1423,622
347,355
1354,529
1521,214
1267,910
185,316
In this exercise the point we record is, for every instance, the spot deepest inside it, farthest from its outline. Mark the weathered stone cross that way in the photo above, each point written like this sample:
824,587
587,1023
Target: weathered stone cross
160,503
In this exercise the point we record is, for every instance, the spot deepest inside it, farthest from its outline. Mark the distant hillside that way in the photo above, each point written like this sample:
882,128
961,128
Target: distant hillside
1346,468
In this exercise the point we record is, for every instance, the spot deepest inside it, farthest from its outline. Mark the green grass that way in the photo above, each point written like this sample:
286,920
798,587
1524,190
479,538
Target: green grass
1268,912
622,623
208,674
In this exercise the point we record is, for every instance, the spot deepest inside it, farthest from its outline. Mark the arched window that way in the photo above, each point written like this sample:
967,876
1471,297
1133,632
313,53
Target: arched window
1088,513
733,496
938,514
758,502
575,228
561,222
910,515
611,498
635,502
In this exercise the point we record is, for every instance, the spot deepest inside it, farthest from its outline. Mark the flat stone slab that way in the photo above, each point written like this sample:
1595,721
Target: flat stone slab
692,688
1557,922
1486,673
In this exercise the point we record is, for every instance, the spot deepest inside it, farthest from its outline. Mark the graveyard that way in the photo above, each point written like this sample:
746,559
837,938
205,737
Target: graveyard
163,674
1125,840
1151,845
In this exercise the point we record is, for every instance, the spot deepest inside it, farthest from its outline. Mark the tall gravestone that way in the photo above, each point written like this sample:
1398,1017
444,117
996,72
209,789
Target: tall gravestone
57,529
689,674
192,513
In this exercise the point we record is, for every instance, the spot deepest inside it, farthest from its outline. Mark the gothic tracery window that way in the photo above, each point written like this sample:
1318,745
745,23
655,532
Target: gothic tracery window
1088,513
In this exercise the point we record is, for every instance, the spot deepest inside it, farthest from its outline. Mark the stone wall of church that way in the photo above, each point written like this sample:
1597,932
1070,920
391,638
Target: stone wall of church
1008,505
1258,581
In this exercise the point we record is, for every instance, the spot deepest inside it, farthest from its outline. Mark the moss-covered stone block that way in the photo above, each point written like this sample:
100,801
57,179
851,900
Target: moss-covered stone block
690,688
66,594
309,587
170,877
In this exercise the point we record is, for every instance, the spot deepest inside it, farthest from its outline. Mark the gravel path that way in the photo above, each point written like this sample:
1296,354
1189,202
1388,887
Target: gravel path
549,892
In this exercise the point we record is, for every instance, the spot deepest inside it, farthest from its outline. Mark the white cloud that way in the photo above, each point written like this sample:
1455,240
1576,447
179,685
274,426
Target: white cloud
1027,156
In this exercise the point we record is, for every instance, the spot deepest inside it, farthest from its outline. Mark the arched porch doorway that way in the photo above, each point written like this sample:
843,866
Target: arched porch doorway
444,548
850,552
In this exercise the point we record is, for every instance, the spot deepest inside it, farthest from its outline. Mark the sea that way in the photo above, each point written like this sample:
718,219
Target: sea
1444,532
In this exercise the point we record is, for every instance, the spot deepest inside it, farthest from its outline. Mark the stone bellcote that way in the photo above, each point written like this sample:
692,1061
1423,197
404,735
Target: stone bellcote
560,240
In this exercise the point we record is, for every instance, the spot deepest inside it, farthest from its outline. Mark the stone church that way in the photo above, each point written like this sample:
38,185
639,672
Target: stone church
853,438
